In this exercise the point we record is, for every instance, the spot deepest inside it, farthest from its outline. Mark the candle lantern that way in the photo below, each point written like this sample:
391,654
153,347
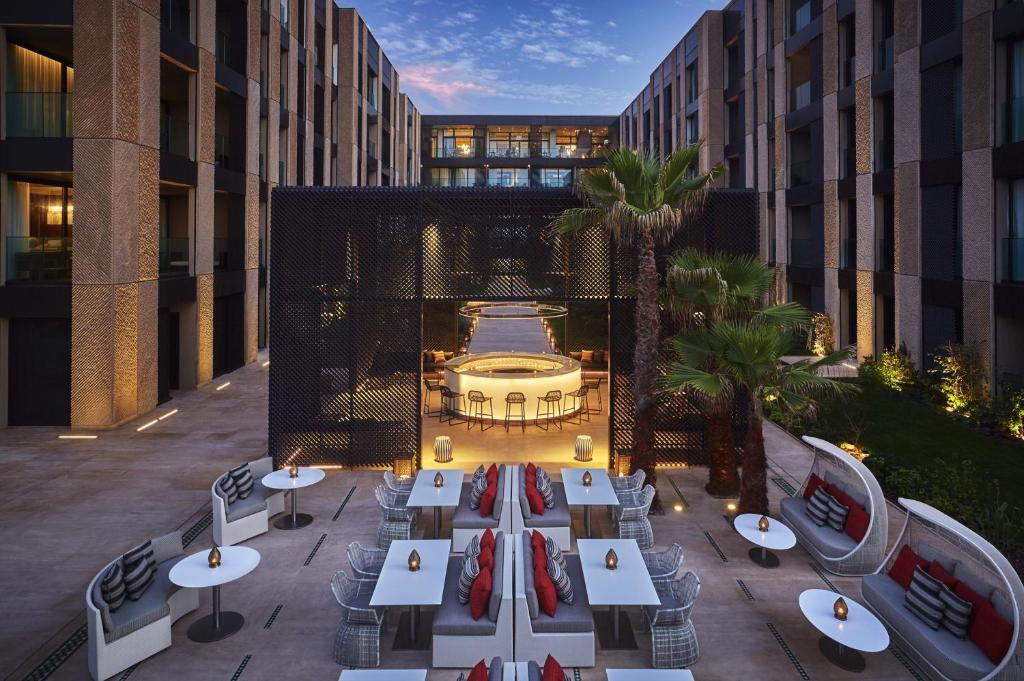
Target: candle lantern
762,524
587,478
293,471
611,559
438,479
214,557
840,609
414,561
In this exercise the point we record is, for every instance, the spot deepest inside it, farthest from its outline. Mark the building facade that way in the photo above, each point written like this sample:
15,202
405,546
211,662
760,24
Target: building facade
511,151
885,141
139,146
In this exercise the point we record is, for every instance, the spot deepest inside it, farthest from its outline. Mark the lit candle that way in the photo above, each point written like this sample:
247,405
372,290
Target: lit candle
840,609
587,478
293,471
438,479
214,557
414,561
762,524
611,559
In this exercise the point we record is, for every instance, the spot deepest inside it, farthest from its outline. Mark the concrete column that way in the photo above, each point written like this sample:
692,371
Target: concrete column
116,159
201,350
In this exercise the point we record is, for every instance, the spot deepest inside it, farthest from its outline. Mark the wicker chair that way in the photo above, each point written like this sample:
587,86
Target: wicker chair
357,643
834,465
673,637
398,522
629,483
971,559
366,563
630,517
397,484
663,565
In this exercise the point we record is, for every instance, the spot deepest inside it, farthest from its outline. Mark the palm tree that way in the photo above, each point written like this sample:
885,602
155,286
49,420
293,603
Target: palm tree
746,355
640,200
703,289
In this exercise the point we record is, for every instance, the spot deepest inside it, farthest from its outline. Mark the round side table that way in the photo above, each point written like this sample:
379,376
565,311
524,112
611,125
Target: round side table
861,631
281,479
778,537
194,572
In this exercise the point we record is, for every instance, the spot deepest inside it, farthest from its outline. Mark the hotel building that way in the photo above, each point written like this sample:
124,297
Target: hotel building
139,146
886,142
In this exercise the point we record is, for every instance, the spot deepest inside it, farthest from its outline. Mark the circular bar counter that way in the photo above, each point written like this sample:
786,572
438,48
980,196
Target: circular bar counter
496,374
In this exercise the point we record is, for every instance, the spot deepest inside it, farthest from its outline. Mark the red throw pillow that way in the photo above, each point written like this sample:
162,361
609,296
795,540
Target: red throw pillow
487,499
486,559
487,540
857,523
538,542
971,596
902,571
842,497
812,484
480,594
535,499
991,633
547,598
492,474
552,670
479,672
938,572
531,469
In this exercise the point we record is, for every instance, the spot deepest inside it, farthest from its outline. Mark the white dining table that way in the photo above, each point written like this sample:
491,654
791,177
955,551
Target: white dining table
426,493
628,584
398,586
599,493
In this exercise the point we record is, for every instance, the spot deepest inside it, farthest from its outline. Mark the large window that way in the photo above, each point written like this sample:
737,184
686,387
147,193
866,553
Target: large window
799,15
692,129
508,142
457,142
1013,243
1015,92
508,177
455,177
39,222
38,97
691,83
553,177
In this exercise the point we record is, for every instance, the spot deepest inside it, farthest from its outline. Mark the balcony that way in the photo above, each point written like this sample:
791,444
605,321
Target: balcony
799,173
38,114
800,96
221,253
883,55
509,150
804,253
884,255
457,149
1013,260
174,256
174,133
1015,120
38,259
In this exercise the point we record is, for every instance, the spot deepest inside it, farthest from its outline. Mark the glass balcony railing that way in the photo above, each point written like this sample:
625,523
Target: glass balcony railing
174,256
884,255
1013,259
847,163
174,135
511,150
38,259
222,156
800,96
848,253
221,252
1015,120
883,55
804,253
38,114
799,173
883,154
460,148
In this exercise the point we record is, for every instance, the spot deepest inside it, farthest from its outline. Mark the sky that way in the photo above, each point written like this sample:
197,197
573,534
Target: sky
530,56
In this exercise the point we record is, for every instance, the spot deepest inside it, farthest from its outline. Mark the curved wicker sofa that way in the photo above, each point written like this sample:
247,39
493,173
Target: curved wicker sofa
970,558
840,554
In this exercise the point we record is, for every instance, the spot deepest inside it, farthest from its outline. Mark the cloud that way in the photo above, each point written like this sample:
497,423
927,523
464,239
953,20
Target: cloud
566,15
612,24
443,83
623,59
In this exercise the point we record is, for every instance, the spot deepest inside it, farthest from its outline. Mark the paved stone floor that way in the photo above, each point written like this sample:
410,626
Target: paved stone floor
69,506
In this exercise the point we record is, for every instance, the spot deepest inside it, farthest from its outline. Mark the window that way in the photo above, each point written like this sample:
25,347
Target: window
508,177
300,107
800,77
300,17
847,53
283,85
691,83
334,63
508,142
847,144
1013,243
458,142
38,94
884,130
284,14
804,249
848,234
553,177
799,15
39,225
884,25
943,17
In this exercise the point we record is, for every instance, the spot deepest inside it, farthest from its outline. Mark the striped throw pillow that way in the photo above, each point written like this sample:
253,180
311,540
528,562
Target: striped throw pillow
479,473
560,578
554,552
139,569
470,570
227,486
475,494
243,480
817,507
140,552
837,514
956,617
922,598
473,547
112,587
547,493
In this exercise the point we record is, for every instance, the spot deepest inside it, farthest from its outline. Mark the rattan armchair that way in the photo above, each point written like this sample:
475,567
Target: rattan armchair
630,517
366,563
398,522
357,642
673,636
663,565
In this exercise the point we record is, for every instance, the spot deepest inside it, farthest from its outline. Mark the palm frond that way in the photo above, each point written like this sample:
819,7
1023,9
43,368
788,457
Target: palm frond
783,314
573,220
680,377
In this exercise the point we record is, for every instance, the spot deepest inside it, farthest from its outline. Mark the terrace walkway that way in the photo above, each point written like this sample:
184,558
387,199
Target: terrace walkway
504,335
69,506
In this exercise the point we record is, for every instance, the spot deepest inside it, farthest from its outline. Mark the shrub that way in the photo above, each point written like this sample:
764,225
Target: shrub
821,339
893,369
1012,420
961,379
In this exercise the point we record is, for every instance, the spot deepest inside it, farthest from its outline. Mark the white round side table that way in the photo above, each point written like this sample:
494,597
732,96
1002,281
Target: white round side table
778,537
861,631
194,572
281,479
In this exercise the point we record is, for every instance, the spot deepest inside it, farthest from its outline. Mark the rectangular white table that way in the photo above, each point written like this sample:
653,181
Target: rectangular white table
398,586
425,494
648,675
599,493
628,584
383,675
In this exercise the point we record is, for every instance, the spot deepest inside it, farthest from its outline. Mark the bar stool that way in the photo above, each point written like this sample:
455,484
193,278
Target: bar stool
580,404
595,385
515,399
431,387
476,407
552,409
448,398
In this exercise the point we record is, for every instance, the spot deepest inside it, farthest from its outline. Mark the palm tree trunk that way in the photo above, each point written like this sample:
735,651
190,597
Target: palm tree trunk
723,476
754,484
645,362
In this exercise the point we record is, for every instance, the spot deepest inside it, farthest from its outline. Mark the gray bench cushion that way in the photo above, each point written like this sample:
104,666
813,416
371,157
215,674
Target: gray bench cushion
533,671
826,540
528,584
496,576
854,491
494,673
454,619
573,618
466,518
524,501
134,615
956,659
251,505
553,517
500,499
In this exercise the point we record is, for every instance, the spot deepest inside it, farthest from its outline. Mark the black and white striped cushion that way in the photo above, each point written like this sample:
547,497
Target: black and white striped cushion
112,587
560,578
547,493
479,473
470,570
554,553
479,487
923,600
243,480
139,569
140,552
542,475
837,514
228,487
817,507
473,547
956,617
